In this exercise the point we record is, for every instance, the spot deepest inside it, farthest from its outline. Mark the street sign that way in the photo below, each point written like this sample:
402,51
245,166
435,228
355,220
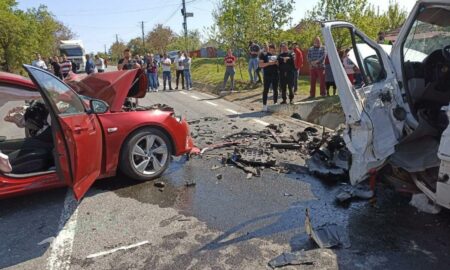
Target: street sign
189,14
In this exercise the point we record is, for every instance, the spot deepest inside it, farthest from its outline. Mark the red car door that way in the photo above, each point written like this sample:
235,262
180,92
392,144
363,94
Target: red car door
81,132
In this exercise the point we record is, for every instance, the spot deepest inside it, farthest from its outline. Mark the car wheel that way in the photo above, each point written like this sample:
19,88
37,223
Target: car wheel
146,154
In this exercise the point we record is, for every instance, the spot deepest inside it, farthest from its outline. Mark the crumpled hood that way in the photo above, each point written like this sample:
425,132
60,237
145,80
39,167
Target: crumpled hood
112,87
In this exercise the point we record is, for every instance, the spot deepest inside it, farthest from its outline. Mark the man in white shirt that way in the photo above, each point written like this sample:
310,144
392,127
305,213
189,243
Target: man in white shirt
179,66
100,64
166,65
38,62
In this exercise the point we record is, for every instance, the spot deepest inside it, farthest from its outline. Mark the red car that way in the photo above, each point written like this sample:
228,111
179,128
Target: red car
89,130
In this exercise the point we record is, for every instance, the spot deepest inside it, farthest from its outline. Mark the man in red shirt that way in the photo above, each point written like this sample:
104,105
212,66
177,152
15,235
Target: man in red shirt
298,65
230,62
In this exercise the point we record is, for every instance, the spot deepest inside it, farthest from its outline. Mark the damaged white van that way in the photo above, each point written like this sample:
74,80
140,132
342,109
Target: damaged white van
400,114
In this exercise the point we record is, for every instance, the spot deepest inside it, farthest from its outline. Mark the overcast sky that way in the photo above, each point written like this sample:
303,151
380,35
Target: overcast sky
97,22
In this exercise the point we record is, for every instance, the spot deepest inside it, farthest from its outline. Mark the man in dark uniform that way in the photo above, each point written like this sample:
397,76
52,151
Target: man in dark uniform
127,61
286,66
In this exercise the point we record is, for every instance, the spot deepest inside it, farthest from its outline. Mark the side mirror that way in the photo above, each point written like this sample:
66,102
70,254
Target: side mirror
98,106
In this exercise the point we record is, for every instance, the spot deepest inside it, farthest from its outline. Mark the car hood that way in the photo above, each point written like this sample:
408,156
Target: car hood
112,87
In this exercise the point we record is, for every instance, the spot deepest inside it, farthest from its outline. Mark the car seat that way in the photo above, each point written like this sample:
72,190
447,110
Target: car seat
30,160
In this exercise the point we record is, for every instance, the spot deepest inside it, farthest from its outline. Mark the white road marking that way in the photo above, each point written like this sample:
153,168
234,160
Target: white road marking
184,93
103,253
208,96
261,122
61,248
211,103
192,96
232,111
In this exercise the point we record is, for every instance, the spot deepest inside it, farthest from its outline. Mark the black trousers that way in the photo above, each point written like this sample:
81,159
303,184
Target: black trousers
287,82
180,73
329,85
270,79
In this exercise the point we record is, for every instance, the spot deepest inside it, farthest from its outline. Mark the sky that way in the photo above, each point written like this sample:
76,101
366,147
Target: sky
96,22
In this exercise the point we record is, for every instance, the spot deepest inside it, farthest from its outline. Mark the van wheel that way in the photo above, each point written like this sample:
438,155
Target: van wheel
146,154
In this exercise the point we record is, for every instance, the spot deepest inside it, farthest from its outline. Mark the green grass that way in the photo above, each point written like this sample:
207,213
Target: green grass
211,71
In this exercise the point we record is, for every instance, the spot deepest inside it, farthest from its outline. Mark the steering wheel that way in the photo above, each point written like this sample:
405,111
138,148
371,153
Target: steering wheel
446,52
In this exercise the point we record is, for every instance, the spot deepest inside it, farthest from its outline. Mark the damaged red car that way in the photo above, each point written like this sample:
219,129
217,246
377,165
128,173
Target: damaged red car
70,134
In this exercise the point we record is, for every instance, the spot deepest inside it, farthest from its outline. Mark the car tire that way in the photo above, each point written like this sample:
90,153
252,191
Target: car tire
146,154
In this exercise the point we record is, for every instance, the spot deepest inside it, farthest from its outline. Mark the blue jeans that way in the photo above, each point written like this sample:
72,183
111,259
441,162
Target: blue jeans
253,64
167,76
152,83
187,78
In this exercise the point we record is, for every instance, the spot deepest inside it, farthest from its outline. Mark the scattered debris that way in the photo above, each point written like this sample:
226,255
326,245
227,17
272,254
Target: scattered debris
161,189
47,240
159,184
291,258
423,204
219,145
287,194
296,116
215,167
329,235
190,184
219,176
285,145
249,175
351,192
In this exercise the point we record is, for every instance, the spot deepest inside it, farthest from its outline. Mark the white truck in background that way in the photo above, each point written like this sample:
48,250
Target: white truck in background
74,50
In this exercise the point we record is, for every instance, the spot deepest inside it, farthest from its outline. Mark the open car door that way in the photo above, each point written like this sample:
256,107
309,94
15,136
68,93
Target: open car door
78,141
374,110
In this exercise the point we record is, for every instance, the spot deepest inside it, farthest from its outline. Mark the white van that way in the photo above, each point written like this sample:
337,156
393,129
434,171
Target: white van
400,114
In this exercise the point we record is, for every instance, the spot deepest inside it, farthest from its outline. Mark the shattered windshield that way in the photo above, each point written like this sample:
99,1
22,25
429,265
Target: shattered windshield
425,38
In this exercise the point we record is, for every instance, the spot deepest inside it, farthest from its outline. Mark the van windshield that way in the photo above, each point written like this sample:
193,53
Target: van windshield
71,51
427,35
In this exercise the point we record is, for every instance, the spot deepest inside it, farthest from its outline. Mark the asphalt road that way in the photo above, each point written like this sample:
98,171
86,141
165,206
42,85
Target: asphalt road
231,223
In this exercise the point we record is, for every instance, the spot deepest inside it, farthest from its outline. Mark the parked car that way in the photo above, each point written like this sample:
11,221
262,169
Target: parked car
74,137
400,114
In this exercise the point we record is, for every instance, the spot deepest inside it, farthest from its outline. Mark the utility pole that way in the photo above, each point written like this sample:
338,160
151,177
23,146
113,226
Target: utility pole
105,49
143,36
185,15
117,39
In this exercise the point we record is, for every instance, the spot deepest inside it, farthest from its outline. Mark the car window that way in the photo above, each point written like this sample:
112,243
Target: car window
424,38
65,101
372,67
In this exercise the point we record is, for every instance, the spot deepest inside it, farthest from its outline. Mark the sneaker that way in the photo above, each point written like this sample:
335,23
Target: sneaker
265,108
275,103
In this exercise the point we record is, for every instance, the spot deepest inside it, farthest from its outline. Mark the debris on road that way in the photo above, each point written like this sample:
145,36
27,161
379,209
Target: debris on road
219,176
190,184
159,184
292,258
423,204
296,116
328,235
352,192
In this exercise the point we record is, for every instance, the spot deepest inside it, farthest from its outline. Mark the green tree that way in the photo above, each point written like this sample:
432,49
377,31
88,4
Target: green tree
116,50
240,21
192,43
136,46
159,38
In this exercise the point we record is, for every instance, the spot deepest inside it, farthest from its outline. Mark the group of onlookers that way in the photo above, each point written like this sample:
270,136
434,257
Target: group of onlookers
61,66
151,64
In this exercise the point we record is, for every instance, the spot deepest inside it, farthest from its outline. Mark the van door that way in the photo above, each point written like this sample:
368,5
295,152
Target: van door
373,105
80,133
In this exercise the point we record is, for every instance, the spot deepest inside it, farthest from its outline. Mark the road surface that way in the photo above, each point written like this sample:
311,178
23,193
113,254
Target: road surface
231,223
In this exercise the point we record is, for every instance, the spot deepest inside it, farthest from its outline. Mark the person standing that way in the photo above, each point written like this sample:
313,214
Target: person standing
179,67
167,76
66,66
56,67
253,61
38,62
316,58
286,65
329,78
100,64
230,62
298,65
268,62
90,66
187,71
127,63
152,71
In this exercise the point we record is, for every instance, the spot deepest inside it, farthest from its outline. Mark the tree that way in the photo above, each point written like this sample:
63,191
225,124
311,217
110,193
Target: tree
241,21
24,33
116,50
159,38
192,42
394,17
136,46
